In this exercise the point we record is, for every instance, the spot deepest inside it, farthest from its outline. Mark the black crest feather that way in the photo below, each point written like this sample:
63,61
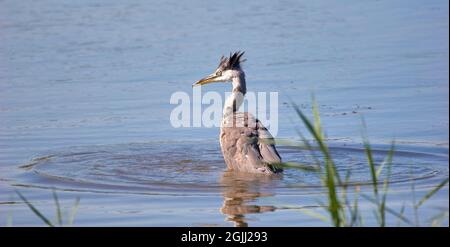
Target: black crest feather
232,62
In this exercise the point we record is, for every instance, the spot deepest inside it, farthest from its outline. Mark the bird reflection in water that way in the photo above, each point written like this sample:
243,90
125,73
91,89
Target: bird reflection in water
241,191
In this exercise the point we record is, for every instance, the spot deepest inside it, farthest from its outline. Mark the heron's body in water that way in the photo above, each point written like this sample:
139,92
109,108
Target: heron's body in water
246,144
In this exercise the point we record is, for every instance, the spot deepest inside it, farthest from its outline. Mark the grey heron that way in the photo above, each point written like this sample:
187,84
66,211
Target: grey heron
246,144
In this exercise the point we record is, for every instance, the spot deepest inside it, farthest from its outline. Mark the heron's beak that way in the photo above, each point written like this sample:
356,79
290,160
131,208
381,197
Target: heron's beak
206,80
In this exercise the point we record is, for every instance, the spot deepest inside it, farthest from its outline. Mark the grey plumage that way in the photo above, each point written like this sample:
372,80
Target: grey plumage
246,144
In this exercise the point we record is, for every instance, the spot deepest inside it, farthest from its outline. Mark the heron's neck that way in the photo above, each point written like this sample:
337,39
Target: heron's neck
236,98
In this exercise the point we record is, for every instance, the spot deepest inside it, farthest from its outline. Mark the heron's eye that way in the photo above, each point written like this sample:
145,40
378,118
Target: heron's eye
218,73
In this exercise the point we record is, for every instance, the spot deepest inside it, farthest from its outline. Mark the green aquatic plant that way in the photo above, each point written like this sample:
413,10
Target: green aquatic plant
341,211
59,214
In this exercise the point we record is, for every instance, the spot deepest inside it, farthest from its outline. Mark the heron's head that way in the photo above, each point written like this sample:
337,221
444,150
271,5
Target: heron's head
229,67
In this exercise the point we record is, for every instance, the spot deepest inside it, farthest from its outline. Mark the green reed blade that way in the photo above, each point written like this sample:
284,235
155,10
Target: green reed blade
432,192
35,211
58,208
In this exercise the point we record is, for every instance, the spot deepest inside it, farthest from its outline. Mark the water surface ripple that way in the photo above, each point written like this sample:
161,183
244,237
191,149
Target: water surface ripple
199,167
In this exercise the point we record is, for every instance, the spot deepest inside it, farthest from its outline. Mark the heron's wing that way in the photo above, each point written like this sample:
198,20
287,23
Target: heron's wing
247,145
266,145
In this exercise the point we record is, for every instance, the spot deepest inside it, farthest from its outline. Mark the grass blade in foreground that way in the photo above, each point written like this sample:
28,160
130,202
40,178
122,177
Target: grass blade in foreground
58,208
431,193
335,208
35,211
73,212
332,182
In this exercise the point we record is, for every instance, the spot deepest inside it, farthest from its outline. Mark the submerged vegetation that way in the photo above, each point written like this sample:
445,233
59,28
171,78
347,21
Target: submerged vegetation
341,211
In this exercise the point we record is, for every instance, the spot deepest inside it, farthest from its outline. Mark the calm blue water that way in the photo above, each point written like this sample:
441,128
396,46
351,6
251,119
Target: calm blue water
98,75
